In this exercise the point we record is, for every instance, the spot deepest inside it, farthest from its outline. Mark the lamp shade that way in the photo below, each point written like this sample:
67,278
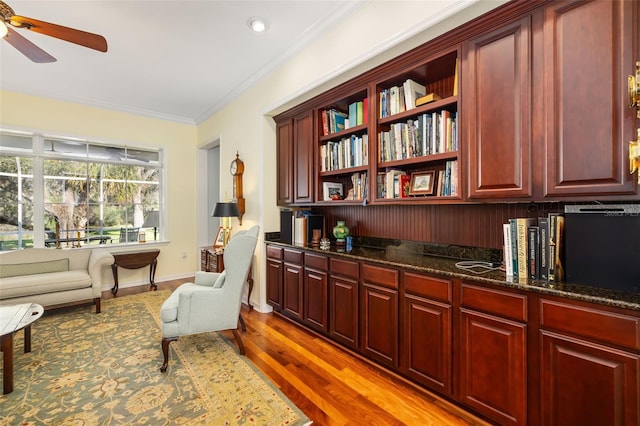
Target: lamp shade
225,210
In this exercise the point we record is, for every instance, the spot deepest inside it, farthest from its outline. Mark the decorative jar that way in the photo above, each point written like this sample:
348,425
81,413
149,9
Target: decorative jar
340,231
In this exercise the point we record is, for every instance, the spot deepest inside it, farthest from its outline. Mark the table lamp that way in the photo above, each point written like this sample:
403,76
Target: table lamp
226,211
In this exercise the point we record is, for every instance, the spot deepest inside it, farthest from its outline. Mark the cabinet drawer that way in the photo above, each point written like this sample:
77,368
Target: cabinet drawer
344,267
316,261
430,287
274,252
497,302
293,256
586,322
380,275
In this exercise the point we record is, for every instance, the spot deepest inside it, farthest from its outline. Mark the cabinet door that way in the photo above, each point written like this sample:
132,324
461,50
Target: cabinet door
303,158
343,300
493,367
589,50
284,163
497,112
274,283
380,323
587,384
316,299
292,290
426,347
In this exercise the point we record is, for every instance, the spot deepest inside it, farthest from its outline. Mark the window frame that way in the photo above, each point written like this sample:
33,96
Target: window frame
39,155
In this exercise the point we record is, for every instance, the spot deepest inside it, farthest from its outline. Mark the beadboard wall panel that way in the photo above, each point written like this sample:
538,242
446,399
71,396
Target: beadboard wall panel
477,225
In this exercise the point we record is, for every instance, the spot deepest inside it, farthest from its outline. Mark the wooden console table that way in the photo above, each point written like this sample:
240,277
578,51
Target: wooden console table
135,260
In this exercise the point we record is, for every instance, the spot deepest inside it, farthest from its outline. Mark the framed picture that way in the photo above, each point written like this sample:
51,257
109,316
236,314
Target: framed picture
422,183
219,241
332,191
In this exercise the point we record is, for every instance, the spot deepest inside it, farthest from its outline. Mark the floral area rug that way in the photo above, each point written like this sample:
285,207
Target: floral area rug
104,369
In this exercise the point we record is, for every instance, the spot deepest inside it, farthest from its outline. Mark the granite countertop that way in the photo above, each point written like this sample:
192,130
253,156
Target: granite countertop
442,260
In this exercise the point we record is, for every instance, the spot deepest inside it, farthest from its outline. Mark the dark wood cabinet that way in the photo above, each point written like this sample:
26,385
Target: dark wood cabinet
379,310
541,115
514,356
316,292
589,49
493,353
588,358
343,301
292,280
294,155
284,161
497,118
303,170
585,383
425,342
274,276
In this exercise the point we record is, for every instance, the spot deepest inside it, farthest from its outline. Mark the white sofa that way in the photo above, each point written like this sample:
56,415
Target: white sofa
52,277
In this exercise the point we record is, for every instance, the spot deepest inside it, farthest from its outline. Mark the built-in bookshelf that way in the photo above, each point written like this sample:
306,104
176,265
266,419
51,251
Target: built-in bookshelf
343,149
416,138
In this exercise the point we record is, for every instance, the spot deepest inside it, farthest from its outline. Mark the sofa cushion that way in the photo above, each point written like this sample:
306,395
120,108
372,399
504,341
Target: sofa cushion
18,269
27,285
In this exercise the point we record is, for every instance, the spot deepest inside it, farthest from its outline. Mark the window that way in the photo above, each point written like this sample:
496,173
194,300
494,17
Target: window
58,192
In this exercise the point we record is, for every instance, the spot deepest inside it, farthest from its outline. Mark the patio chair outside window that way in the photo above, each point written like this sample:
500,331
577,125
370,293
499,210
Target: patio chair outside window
128,235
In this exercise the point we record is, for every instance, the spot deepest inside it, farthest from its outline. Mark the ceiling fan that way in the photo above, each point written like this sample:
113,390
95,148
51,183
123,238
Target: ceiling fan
9,19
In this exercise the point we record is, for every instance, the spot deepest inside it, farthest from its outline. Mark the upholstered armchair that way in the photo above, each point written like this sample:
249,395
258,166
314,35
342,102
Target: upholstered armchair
212,302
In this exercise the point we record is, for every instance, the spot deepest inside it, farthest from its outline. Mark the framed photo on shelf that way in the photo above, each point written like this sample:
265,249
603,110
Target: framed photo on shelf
422,183
331,191
219,241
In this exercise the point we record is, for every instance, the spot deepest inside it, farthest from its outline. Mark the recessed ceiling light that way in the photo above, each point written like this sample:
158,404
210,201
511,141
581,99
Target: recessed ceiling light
257,24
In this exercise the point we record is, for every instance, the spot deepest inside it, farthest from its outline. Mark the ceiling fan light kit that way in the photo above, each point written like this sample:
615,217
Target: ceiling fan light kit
33,52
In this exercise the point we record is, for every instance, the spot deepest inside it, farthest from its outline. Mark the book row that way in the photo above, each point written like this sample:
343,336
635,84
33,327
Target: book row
345,153
397,99
533,247
431,133
395,183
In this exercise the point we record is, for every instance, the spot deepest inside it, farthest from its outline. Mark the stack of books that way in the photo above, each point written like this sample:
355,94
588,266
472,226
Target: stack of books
533,248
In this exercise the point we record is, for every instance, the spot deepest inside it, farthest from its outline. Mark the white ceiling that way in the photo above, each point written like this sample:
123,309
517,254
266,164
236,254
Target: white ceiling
172,59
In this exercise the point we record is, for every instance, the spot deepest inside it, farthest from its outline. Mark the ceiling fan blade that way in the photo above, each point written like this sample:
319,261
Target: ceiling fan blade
27,48
83,38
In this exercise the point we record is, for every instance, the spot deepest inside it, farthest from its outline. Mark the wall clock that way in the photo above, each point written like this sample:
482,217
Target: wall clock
237,169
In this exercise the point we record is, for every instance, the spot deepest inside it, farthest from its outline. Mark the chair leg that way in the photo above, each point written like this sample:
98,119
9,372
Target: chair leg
239,340
165,351
242,324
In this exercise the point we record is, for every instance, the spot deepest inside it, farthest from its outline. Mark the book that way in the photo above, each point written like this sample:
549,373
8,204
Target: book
514,245
412,91
405,185
359,113
300,230
553,225
559,254
507,249
455,80
543,224
523,223
533,249
429,97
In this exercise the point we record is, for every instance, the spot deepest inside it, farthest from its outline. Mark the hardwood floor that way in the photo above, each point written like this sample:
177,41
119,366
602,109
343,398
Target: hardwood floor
330,385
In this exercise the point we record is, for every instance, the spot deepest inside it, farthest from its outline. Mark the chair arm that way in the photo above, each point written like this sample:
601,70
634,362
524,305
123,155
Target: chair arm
205,309
206,279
